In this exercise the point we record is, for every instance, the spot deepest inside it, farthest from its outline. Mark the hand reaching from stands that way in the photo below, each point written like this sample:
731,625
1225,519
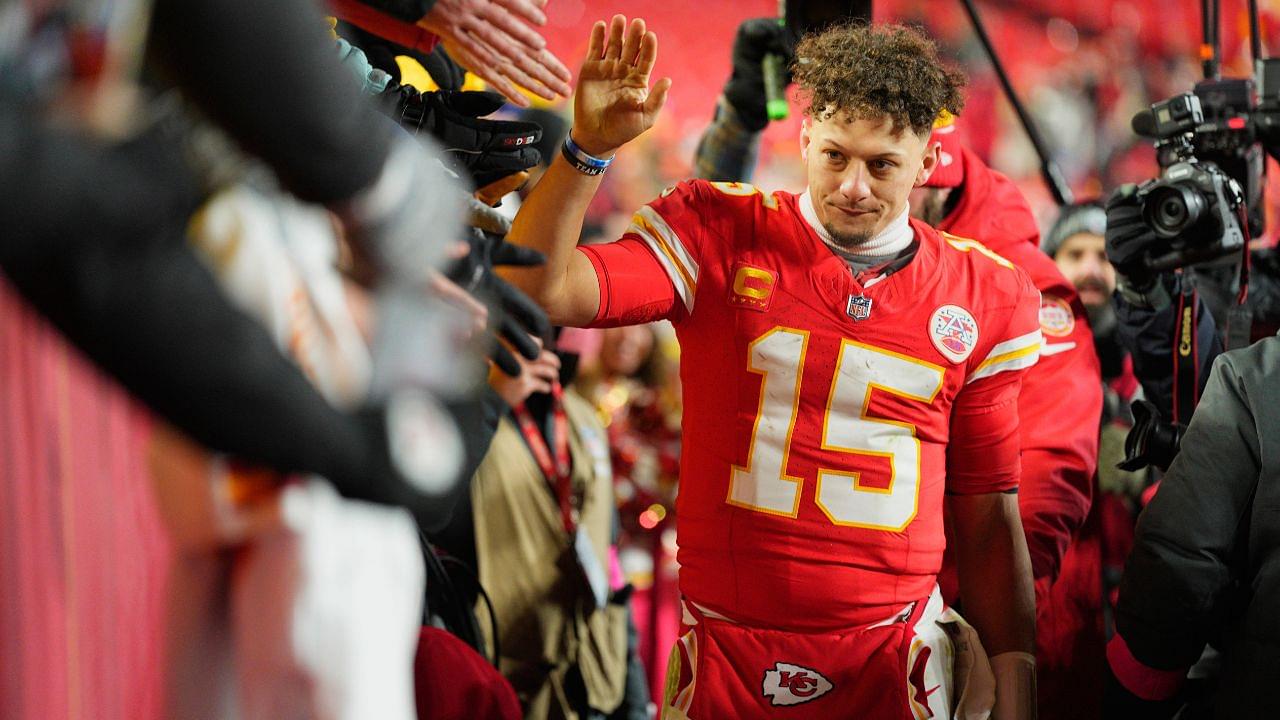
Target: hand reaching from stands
514,316
492,39
535,376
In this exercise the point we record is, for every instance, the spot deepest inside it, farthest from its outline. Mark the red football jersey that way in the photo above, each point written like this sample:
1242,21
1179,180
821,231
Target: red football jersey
823,420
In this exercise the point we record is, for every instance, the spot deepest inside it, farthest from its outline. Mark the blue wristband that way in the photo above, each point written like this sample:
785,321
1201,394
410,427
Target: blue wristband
583,161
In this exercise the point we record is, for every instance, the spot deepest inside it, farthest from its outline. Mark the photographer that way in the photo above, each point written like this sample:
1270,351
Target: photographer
1188,283
1204,565
1157,312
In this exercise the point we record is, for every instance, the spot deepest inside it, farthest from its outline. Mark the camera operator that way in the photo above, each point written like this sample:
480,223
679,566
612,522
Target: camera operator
1156,312
1204,566
1188,285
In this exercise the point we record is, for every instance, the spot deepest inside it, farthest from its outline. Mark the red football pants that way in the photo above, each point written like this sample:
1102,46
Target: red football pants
898,669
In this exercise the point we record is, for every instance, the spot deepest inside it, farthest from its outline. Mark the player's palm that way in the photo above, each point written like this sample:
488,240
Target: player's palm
614,104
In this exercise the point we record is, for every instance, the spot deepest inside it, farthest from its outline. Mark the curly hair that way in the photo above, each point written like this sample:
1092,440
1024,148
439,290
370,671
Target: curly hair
874,71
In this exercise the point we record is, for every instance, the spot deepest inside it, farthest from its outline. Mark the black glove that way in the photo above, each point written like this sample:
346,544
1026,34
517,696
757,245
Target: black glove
1129,239
745,88
514,315
485,150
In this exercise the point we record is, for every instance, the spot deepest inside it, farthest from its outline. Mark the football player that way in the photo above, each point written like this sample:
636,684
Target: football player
848,371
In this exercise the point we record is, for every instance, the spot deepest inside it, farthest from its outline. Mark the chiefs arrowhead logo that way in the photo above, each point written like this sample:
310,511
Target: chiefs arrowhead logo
788,684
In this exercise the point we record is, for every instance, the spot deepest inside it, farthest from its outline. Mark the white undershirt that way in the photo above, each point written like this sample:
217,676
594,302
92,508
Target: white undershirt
895,238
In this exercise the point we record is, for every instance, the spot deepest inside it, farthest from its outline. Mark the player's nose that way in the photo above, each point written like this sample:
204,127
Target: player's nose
854,184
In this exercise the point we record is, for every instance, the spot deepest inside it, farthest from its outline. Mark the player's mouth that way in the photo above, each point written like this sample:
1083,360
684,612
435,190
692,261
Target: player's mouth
853,212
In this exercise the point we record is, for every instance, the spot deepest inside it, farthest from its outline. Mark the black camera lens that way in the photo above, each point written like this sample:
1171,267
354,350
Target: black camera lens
1171,209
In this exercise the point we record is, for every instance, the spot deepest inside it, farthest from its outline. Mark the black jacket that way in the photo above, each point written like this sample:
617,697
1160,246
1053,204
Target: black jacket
1205,566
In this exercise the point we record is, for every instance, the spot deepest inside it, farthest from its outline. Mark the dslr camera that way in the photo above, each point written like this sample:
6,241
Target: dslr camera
1194,207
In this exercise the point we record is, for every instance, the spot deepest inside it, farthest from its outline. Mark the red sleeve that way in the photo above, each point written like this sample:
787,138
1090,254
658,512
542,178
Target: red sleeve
634,288
982,454
984,446
652,272
1059,408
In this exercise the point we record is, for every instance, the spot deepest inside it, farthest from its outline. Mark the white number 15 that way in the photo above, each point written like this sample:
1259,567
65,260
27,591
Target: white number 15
764,485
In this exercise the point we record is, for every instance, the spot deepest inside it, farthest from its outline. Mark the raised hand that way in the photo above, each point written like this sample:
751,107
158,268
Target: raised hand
492,39
614,104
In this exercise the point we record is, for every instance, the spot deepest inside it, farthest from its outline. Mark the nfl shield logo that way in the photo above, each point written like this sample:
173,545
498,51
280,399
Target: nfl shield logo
859,307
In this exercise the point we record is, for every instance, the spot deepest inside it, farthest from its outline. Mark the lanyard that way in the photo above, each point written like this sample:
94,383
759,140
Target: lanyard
557,470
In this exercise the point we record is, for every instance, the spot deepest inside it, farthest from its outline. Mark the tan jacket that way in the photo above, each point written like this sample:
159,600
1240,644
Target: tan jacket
525,560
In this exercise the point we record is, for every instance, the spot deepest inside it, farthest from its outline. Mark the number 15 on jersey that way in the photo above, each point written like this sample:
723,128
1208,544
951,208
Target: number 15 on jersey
843,496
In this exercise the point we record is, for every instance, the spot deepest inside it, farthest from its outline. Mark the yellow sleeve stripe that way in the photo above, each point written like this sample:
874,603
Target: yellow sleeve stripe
1015,354
671,253
664,230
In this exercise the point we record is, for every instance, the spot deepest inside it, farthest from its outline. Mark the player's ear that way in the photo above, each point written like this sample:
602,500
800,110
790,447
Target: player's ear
804,139
929,162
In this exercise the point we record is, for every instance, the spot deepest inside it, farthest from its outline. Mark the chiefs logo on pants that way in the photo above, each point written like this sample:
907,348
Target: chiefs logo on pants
897,669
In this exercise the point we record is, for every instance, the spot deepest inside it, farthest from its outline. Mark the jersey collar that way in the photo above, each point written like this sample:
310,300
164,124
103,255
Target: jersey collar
895,238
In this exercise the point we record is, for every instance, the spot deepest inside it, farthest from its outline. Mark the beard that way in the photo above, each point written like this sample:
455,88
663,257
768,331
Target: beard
845,240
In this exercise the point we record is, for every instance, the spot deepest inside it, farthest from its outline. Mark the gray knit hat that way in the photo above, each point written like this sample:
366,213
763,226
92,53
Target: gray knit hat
1087,217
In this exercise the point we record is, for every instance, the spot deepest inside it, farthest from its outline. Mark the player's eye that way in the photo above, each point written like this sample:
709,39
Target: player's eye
833,156
882,166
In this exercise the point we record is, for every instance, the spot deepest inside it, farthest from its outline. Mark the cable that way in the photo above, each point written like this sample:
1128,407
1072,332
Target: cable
483,595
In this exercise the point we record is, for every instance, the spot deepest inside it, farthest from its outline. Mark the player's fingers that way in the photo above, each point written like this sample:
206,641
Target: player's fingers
595,46
631,46
648,54
657,97
613,50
